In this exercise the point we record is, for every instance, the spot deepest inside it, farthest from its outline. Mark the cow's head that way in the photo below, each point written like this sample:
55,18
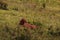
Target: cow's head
22,21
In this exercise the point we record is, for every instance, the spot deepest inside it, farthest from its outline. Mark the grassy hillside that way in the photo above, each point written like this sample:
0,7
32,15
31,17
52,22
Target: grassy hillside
47,19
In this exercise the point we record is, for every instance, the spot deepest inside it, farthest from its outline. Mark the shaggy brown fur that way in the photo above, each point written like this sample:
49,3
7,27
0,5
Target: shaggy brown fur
26,24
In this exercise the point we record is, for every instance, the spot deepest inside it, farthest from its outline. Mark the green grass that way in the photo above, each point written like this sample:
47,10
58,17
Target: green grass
43,18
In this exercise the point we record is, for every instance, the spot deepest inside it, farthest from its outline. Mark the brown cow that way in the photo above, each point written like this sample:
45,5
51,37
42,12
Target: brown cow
26,24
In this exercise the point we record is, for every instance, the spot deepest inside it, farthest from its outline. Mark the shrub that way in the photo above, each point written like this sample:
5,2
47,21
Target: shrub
3,5
15,8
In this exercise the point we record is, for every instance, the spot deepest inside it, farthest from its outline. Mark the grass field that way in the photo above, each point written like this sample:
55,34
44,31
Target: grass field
47,19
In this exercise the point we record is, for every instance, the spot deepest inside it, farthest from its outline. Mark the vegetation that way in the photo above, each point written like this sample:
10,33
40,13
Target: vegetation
45,14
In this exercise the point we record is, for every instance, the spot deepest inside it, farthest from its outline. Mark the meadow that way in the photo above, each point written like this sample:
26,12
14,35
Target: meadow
47,19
